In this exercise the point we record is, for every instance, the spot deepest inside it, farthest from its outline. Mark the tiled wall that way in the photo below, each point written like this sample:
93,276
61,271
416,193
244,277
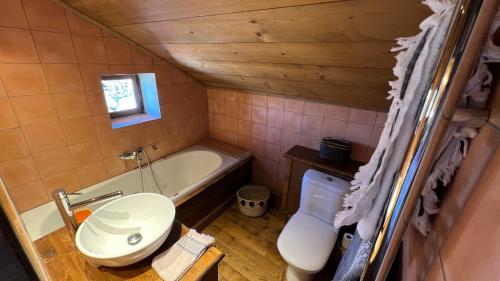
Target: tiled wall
54,127
270,125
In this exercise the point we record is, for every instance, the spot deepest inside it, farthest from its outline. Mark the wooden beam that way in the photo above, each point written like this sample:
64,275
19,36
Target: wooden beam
353,54
327,22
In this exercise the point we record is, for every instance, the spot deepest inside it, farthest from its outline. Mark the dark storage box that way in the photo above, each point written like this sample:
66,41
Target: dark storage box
335,150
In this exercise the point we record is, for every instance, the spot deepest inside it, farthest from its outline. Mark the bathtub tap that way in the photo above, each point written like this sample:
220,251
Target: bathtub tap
65,207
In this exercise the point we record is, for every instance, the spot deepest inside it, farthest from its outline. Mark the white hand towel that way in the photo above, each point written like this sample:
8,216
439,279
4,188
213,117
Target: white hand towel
174,262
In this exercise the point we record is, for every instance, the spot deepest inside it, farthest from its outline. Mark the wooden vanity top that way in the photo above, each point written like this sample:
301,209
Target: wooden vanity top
226,148
63,261
311,157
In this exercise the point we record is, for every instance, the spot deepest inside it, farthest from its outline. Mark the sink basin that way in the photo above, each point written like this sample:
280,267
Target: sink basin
126,230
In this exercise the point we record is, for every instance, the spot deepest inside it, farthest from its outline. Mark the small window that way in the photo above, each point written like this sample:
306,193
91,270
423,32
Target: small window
131,98
123,95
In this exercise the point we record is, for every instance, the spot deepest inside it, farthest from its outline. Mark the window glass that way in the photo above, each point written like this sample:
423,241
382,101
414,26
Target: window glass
120,94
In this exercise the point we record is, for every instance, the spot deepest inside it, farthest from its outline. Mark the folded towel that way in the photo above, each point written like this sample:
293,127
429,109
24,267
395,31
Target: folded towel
176,261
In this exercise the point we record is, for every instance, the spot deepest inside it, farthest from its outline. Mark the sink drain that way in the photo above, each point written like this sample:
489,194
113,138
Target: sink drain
134,238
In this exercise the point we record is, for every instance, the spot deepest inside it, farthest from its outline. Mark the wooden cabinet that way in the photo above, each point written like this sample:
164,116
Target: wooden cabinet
299,160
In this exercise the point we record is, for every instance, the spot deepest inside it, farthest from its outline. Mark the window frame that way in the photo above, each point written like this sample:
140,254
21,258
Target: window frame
137,93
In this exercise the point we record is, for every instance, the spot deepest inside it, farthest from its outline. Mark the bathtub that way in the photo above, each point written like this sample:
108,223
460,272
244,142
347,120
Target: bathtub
180,176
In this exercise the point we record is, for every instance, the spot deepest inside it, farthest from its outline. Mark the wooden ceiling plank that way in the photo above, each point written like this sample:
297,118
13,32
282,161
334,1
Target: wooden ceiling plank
353,54
343,95
330,22
110,12
375,78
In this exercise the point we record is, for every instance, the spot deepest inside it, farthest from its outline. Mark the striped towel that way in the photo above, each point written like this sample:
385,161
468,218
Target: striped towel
174,262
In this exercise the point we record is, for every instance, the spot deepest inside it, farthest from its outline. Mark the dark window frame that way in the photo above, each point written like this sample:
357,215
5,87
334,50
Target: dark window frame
137,93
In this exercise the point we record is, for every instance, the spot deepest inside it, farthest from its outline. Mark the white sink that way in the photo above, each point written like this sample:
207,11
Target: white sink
126,230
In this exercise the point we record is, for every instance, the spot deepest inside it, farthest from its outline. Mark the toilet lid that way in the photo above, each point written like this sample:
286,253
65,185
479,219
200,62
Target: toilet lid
306,242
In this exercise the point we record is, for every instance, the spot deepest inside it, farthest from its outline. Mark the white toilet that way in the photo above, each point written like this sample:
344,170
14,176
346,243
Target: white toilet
309,236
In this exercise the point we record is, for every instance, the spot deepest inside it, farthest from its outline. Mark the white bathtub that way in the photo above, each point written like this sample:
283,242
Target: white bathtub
178,175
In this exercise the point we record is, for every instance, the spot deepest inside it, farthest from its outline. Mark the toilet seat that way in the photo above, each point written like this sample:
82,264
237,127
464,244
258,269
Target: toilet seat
307,242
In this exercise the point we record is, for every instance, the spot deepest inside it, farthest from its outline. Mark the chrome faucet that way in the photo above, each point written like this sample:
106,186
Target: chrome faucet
66,208
134,155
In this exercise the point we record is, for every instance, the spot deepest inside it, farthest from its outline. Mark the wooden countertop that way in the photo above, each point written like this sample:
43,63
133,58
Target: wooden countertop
311,157
63,261
227,148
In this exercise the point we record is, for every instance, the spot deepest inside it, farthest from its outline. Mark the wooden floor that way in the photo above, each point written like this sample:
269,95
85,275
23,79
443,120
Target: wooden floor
249,245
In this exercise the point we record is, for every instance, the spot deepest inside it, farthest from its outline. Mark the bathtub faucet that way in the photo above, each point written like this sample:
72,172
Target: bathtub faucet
66,208
134,155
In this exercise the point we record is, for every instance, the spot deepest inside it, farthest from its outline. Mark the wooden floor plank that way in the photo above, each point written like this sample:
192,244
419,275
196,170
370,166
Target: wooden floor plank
249,245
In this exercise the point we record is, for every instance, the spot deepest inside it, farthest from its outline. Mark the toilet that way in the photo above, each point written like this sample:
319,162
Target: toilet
307,240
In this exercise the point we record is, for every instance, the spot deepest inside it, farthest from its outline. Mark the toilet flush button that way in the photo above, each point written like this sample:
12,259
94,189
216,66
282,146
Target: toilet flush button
329,178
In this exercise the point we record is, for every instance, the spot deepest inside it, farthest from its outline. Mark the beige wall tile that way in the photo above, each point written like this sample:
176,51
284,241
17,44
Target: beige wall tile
78,25
314,108
71,105
45,15
53,161
360,116
16,46
244,112
112,145
276,102
312,125
275,117
91,75
98,102
258,131
294,105
333,128
89,49
78,130
91,174
44,137
259,100
164,73
12,144
66,180
12,14
139,57
85,153
28,196
259,114
54,47
336,112
7,116
18,171
117,51
114,166
23,79
33,110
63,78
292,121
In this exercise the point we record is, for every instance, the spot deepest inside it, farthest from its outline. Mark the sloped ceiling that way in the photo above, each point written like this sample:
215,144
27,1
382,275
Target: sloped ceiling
335,51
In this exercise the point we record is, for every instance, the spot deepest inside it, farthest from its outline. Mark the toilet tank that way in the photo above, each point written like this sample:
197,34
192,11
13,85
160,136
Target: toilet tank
322,195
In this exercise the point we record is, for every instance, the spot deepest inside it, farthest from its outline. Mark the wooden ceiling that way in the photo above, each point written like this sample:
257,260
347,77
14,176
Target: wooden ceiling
334,51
